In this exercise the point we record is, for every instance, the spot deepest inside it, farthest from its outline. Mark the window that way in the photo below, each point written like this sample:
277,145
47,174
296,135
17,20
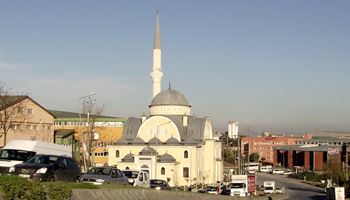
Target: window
30,111
185,154
117,153
126,168
162,171
186,172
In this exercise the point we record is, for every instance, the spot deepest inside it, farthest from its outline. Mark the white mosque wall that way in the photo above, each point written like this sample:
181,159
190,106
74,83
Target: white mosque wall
203,162
160,127
170,110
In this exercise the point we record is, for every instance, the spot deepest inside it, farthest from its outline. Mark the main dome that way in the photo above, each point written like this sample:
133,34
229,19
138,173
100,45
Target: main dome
169,97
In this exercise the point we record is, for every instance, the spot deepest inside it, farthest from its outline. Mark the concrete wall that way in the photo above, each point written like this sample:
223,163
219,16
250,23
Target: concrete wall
149,194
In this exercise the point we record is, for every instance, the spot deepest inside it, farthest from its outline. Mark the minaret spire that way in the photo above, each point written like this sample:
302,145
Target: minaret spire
156,73
157,33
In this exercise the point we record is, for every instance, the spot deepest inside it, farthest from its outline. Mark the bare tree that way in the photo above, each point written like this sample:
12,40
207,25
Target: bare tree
9,112
88,137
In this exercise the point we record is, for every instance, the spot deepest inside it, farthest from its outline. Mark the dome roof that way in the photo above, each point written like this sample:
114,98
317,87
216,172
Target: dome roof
166,158
154,140
148,151
128,158
172,141
170,97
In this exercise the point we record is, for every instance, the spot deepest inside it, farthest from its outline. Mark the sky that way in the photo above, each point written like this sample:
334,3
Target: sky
278,66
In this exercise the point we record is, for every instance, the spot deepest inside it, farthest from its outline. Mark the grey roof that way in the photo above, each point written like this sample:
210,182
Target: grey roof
154,140
172,141
131,128
128,158
7,101
148,151
323,148
166,158
192,134
325,139
169,97
65,114
138,141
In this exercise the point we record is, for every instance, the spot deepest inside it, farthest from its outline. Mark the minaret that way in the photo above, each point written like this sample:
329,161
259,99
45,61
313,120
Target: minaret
156,73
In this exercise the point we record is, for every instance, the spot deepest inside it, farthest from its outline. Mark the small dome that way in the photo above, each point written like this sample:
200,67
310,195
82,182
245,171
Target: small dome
138,141
128,158
148,151
154,141
166,158
172,141
170,97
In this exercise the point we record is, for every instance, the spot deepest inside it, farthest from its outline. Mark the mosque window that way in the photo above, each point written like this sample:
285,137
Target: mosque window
117,153
162,171
186,172
186,154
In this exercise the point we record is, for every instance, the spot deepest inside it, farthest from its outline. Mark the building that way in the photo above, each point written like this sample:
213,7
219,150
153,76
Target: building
232,130
24,118
169,143
263,145
72,128
312,154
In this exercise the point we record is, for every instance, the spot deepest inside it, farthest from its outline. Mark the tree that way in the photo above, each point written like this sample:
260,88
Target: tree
90,111
254,157
10,111
334,170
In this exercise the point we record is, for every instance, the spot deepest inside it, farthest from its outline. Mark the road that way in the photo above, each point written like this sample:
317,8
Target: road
294,188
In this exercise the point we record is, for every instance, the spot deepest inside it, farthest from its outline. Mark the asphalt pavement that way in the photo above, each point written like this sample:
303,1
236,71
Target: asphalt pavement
295,189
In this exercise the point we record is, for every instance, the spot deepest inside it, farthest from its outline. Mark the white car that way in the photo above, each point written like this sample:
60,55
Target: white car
288,171
279,190
278,171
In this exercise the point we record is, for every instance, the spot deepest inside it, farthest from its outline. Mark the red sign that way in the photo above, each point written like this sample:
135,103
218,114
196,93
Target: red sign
251,183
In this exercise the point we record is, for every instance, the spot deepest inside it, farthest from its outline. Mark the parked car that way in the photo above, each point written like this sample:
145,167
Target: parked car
288,171
138,178
159,184
43,167
225,190
279,190
99,175
212,189
278,171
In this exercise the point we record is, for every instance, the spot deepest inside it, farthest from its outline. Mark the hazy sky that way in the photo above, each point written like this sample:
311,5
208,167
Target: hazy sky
271,65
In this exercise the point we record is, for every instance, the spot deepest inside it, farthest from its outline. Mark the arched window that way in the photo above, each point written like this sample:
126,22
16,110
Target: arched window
186,154
162,171
126,168
117,153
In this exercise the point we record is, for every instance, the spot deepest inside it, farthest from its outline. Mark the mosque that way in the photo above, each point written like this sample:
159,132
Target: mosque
169,142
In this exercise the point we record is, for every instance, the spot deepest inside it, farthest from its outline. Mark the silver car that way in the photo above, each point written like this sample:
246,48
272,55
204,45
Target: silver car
100,175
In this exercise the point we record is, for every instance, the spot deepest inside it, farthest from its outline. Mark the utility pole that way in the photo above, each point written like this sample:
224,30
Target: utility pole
239,154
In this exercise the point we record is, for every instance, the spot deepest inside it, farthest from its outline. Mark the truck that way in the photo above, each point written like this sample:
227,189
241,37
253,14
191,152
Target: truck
19,151
239,185
269,187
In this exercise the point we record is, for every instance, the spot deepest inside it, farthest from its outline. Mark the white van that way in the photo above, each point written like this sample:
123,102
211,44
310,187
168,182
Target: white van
18,151
138,178
266,168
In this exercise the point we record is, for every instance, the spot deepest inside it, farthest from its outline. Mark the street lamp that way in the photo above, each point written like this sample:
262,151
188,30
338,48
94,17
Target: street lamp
158,127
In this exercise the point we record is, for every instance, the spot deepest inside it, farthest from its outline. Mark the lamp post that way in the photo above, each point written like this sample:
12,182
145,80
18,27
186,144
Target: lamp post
158,127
